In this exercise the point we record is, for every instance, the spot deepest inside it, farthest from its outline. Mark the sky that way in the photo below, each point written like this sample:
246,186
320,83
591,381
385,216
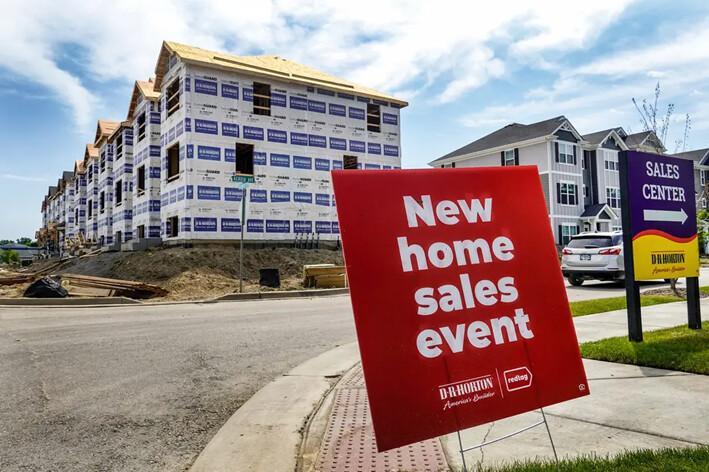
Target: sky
466,68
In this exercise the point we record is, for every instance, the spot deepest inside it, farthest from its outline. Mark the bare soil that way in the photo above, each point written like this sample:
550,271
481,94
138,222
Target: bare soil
666,291
195,273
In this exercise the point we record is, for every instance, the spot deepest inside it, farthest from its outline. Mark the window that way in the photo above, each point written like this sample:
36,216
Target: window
173,97
119,192
141,127
173,162
585,194
567,193
702,178
567,231
119,237
262,99
91,170
76,216
566,153
102,202
119,146
141,180
103,162
374,119
703,203
509,158
452,164
141,231
610,161
244,159
172,226
90,209
613,197
349,162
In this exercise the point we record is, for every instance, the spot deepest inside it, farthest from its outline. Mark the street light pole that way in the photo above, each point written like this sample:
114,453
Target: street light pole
241,244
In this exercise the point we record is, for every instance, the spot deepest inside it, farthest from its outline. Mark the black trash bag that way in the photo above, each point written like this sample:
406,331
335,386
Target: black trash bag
269,278
45,288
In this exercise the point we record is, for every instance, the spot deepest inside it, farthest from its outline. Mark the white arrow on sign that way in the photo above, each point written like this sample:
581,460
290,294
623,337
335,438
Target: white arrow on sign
665,215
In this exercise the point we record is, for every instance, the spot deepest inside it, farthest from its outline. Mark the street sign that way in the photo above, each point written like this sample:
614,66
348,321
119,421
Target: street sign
246,179
459,302
663,221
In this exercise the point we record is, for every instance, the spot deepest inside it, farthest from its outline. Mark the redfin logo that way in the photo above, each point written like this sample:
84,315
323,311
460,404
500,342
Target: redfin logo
517,379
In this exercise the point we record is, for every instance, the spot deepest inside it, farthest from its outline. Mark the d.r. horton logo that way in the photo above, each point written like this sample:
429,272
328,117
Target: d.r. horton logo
467,391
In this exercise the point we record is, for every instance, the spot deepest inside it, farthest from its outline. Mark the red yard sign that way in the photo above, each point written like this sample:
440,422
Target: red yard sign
459,302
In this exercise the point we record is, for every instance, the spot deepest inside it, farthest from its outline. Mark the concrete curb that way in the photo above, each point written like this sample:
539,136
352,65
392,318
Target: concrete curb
112,301
54,302
265,433
283,294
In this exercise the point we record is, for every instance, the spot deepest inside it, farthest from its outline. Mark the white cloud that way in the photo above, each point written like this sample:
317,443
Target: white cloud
386,44
598,95
22,178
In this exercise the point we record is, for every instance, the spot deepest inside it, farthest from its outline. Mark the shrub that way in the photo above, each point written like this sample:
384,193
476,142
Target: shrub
10,257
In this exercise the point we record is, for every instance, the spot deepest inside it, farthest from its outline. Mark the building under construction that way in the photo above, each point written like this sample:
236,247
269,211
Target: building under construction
166,172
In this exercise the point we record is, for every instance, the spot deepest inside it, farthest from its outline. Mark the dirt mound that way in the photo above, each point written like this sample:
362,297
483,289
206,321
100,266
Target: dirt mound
204,271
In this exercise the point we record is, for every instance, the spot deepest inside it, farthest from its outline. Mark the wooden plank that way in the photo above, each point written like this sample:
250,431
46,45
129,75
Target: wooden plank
331,281
315,271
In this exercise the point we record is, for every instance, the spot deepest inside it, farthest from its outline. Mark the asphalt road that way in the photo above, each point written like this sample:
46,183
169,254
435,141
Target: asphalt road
592,289
144,388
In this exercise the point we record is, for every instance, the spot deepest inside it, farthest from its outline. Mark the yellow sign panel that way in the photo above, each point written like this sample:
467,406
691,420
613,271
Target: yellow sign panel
658,255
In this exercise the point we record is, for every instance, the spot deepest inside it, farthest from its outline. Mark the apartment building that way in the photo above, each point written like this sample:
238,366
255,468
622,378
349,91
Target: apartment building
579,173
285,123
144,113
169,171
121,145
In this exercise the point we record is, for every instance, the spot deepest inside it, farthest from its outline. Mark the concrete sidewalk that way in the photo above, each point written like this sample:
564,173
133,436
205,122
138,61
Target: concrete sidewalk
310,421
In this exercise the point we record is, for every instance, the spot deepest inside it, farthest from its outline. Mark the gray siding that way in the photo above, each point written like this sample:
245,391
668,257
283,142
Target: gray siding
567,210
561,167
545,188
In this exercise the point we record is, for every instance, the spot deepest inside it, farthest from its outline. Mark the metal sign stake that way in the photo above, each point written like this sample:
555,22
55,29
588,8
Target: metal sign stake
463,450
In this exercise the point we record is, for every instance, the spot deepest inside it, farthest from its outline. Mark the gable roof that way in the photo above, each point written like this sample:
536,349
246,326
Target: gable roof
90,152
600,137
591,211
147,89
274,67
79,167
104,128
637,139
700,156
644,138
510,134
121,126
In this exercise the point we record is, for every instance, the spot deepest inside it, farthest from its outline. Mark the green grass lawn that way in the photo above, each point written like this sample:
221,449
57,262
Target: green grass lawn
589,307
675,460
678,348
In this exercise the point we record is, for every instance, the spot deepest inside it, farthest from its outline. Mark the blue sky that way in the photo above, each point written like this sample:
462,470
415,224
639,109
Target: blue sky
466,69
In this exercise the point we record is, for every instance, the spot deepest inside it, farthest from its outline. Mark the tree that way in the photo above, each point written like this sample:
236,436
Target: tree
649,119
10,257
702,229
7,241
27,242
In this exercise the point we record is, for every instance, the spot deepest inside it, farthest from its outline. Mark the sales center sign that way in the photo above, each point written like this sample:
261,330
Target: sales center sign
662,216
459,302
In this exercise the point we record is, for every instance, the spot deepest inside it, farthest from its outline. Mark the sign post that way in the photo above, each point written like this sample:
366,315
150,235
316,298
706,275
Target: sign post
459,302
244,181
658,212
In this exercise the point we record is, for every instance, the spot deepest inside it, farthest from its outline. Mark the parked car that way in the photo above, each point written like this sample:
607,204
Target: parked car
597,256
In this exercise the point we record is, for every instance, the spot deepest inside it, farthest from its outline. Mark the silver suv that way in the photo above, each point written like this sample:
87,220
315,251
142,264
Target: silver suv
593,256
